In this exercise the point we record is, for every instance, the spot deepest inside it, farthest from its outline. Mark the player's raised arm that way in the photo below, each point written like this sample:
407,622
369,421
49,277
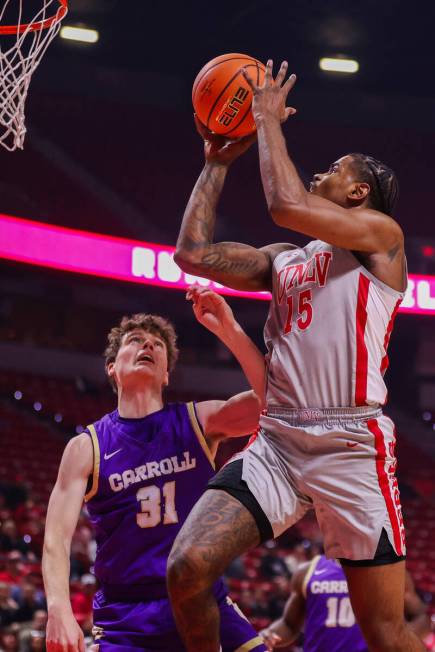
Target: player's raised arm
63,631
213,312
293,207
238,415
236,265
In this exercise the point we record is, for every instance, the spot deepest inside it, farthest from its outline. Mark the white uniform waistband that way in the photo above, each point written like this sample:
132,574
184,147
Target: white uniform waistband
300,416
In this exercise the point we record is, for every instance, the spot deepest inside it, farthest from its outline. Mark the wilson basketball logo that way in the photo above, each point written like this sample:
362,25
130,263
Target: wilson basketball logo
231,110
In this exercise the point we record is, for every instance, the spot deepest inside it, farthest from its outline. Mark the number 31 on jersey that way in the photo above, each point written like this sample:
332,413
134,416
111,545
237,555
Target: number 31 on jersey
152,511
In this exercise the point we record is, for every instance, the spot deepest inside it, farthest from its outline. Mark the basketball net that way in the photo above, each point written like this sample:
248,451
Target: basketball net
22,47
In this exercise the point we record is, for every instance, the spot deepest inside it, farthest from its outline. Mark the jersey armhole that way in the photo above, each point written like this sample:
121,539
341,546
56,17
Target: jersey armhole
197,429
309,574
96,468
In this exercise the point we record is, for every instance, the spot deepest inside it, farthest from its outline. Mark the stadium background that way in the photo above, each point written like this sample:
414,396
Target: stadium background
111,149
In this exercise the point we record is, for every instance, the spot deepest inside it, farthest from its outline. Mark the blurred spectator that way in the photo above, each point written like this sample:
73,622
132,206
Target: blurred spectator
236,569
9,640
81,548
14,569
279,595
9,538
8,606
273,565
81,602
35,629
246,602
5,512
260,603
29,601
37,642
32,508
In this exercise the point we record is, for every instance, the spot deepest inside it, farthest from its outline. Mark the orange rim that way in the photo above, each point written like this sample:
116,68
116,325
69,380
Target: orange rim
35,27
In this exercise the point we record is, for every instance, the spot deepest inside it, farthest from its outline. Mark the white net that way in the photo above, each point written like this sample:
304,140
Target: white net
22,47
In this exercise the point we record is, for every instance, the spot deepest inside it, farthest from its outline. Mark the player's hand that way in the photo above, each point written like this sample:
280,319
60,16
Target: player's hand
211,310
218,149
271,640
271,96
64,633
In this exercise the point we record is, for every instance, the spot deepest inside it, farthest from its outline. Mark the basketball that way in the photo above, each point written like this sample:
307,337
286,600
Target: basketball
221,96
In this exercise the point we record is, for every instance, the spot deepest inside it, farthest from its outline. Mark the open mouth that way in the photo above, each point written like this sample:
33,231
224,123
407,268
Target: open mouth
145,357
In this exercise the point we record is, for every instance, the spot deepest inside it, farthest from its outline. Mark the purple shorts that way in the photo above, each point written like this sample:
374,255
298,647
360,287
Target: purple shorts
150,627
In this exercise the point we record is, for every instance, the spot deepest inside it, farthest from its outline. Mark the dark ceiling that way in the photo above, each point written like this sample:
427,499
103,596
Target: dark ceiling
114,119
392,39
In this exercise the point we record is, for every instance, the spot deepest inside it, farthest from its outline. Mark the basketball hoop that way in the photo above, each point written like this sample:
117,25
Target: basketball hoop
18,62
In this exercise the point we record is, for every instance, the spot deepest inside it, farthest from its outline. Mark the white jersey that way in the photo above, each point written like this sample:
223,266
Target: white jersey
328,329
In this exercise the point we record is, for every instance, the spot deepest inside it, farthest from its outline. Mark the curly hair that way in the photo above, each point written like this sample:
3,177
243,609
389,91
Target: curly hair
151,324
384,187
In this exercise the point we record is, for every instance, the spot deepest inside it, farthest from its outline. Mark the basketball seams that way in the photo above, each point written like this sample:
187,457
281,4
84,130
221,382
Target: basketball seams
218,63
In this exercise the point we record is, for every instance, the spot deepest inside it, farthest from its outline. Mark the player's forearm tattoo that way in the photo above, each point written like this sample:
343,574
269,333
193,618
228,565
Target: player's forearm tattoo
219,260
195,241
197,228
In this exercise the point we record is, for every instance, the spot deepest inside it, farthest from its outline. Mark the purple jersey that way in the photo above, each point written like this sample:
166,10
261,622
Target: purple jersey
330,624
148,474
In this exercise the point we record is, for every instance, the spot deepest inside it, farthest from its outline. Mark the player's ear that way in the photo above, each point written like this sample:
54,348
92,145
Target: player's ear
358,192
110,370
166,379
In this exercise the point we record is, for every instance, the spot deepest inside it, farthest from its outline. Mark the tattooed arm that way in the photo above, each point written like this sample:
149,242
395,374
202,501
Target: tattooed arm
236,265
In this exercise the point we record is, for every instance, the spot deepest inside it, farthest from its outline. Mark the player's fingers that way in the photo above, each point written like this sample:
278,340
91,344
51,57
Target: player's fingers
201,294
281,73
72,647
291,81
200,290
290,110
82,647
193,289
249,79
206,301
268,76
211,298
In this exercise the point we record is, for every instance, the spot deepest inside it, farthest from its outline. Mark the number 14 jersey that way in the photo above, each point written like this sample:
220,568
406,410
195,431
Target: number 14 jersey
148,474
328,330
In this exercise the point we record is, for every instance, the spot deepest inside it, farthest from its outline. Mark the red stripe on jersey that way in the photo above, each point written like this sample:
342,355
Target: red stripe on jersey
251,440
361,349
384,484
385,361
255,434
